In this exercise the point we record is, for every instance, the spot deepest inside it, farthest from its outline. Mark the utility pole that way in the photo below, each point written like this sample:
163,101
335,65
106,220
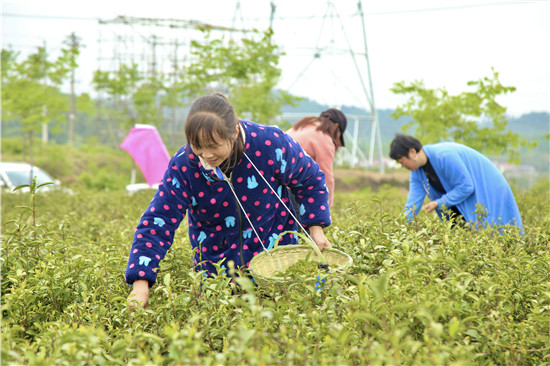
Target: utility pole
174,81
154,43
74,43
375,129
272,14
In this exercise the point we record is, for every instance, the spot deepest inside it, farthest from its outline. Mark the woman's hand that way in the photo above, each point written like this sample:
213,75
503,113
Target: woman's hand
430,206
319,237
140,294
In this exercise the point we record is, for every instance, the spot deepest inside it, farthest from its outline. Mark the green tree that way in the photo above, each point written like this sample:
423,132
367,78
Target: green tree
73,42
119,85
173,96
473,118
146,102
31,91
246,70
133,98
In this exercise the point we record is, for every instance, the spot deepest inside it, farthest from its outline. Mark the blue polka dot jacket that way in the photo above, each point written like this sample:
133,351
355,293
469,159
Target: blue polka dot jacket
218,227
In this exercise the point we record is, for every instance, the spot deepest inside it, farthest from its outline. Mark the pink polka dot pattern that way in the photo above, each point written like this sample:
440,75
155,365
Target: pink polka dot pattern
217,228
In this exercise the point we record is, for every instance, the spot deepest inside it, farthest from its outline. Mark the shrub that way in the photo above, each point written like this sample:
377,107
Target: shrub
419,293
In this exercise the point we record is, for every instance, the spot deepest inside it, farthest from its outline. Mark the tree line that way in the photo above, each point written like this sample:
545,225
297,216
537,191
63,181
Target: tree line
247,71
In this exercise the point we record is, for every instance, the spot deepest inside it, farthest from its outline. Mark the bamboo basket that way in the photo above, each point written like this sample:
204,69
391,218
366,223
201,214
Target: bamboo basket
264,266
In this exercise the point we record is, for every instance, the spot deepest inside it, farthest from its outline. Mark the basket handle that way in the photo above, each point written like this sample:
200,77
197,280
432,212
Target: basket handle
307,239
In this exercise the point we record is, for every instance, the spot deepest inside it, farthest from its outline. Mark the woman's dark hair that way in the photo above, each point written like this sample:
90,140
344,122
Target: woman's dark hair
401,145
211,117
332,120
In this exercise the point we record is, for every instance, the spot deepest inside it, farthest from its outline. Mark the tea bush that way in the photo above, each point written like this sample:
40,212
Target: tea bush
419,293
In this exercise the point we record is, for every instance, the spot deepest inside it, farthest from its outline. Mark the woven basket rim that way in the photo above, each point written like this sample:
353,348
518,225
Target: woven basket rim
275,251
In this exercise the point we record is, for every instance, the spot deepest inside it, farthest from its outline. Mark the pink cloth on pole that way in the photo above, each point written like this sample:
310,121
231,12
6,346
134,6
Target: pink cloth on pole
145,146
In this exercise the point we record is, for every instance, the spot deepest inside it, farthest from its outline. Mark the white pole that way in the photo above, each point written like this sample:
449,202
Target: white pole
355,143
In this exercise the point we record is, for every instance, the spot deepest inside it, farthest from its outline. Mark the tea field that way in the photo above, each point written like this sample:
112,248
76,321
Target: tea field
417,294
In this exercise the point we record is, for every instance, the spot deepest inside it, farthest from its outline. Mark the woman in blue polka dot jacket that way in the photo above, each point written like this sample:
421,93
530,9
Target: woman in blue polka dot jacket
230,179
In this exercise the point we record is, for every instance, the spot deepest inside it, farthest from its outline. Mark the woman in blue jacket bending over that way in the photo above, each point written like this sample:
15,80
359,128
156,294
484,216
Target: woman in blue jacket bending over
457,178
230,179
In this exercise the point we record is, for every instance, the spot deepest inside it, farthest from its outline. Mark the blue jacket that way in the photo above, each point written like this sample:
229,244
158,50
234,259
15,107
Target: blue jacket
218,229
469,178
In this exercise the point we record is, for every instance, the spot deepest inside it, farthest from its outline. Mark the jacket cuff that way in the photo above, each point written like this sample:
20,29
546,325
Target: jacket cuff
136,273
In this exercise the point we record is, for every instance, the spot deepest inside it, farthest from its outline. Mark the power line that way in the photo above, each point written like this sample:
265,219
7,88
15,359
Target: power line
389,12
458,7
48,17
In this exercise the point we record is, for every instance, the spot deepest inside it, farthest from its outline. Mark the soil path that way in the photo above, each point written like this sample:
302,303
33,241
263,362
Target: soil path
354,179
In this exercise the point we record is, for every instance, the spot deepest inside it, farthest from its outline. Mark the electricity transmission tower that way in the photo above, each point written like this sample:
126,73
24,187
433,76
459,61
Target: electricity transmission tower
328,47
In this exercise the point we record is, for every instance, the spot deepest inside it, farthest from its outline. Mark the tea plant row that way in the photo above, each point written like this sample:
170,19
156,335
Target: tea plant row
417,293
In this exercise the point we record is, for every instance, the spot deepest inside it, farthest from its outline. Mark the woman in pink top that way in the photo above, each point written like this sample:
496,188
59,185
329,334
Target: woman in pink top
321,137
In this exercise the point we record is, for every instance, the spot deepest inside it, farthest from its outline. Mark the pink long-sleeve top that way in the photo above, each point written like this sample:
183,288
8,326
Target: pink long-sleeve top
320,147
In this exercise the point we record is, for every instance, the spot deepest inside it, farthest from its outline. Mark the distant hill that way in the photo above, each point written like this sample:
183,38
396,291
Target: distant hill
531,124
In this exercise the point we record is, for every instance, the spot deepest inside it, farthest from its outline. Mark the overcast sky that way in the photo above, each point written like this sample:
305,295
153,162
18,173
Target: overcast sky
445,43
